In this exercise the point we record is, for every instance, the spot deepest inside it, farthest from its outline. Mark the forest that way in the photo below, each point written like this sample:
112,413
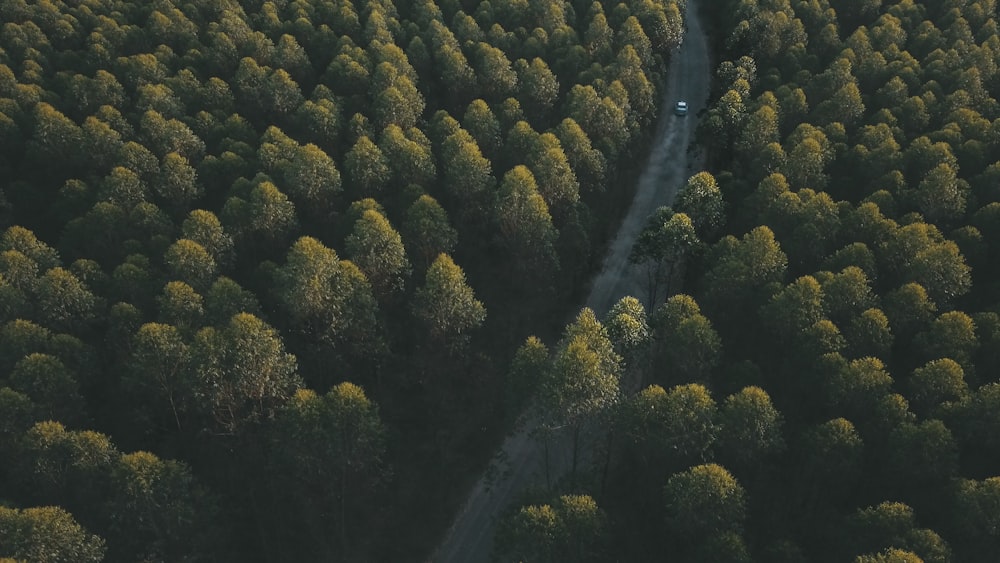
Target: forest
277,277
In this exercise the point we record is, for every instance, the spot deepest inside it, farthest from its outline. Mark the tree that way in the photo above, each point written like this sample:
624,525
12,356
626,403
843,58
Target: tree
178,182
266,217
749,428
686,346
243,374
340,430
47,535
538,87
743,271
937,384
204,228
588,163
468,176
50,385
526,229
556,180
367,167
627,327
832,458
922,457
312,178
480,121
24,241
583,382
909,309
328,299
497,78
890,555
941,196
671,429
529,534
793,310
378,250
226,298
701,200
64,302
160,368
188,261
704,501
427,232
975,517
446,305
894,524
160,511
662,246
409,159
573,528
951,335
527,372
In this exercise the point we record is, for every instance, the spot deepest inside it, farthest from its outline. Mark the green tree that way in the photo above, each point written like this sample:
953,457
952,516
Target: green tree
538,87
573,528
446,306
672,429
50,385
47,535
937,384
24,241
177,182
686,347
411,162
750,428
662,246
627,326
336,437
204,228
480,121
526,229
890,555
367,167
188,261
527,372
64,302
427,232
160,369
832,458
160,511
941,195
701,200
894,524
922,457
328,299
378,250
703,501
743,270
588,163
468,176
975,516
583,382
242,373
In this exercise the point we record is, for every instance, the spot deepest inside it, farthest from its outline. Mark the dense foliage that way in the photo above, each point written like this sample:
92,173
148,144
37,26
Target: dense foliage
213,214
829,389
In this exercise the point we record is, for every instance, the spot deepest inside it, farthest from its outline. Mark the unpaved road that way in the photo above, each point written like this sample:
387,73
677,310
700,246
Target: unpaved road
470,538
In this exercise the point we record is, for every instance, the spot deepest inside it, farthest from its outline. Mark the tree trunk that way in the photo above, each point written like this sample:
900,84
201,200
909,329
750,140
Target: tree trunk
576,443
548,480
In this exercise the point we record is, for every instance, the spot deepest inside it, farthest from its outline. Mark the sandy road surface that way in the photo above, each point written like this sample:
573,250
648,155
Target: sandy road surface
470,538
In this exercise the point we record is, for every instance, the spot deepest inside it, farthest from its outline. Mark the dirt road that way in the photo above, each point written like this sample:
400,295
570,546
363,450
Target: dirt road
470,539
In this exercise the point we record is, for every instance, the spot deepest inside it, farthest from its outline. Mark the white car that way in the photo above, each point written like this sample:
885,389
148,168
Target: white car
681,108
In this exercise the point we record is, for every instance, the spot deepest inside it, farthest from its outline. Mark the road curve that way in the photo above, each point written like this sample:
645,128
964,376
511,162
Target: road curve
522,465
